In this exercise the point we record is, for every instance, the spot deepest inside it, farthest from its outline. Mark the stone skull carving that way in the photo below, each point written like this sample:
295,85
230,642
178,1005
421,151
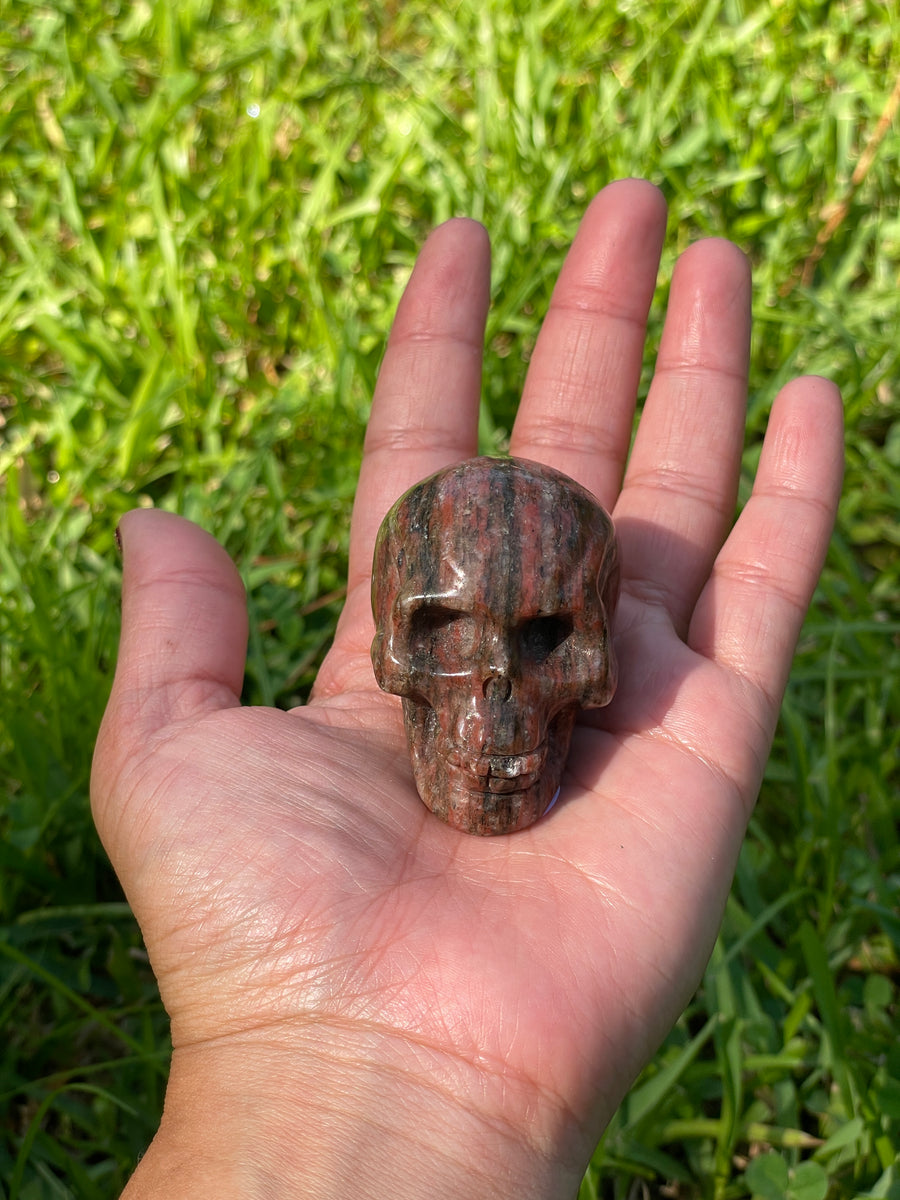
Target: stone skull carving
494,586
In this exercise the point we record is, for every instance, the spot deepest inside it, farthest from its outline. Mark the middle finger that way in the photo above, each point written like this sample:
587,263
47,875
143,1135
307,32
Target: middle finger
578,402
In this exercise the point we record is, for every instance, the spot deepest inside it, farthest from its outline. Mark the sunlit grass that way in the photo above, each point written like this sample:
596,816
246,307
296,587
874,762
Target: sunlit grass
207,214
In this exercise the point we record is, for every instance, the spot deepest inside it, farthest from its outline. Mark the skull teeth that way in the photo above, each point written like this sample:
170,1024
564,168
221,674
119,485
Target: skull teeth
512,766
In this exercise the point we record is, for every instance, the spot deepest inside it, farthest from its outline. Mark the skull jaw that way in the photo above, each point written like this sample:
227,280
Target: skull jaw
483,804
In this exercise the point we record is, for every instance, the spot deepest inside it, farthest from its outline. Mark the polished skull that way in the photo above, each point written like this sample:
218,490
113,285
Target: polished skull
494,585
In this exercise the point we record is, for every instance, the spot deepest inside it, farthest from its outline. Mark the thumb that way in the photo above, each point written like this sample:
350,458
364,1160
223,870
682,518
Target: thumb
184,635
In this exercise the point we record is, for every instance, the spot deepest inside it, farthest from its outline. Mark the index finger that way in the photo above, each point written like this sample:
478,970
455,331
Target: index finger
425,407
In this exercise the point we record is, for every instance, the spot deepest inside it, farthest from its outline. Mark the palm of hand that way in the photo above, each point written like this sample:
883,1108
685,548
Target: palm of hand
282,866
299,878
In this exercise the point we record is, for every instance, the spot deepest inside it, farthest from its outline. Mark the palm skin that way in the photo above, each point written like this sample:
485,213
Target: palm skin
298,901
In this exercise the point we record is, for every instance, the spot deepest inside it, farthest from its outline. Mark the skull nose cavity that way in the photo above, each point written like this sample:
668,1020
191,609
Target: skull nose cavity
497,687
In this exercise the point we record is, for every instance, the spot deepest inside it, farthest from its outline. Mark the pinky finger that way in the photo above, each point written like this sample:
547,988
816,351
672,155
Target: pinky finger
749,615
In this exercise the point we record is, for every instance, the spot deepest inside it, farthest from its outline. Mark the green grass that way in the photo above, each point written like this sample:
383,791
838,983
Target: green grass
207,213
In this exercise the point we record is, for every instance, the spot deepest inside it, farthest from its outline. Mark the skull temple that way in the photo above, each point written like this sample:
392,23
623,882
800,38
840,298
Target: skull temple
494,587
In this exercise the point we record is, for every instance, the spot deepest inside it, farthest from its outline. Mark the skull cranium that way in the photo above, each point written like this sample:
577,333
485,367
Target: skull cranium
494,586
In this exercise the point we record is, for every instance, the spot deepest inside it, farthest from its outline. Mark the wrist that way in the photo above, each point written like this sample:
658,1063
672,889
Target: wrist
338,1117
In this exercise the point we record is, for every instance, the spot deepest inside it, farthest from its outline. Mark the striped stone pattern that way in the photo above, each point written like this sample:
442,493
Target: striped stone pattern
494,585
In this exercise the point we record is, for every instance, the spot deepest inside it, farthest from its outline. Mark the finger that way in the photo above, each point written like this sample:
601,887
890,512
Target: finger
749,615
425,408
184,628
680,488
578,403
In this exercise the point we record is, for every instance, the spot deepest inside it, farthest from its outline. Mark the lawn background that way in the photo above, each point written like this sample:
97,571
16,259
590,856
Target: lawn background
207,213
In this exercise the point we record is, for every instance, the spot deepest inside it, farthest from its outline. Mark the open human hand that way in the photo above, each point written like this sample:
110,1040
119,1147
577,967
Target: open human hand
362,998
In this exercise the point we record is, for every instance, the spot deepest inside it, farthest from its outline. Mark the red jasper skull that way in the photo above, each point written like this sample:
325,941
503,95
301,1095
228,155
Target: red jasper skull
494,586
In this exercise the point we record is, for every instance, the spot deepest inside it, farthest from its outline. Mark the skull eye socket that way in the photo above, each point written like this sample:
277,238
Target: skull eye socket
433,626
540,636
